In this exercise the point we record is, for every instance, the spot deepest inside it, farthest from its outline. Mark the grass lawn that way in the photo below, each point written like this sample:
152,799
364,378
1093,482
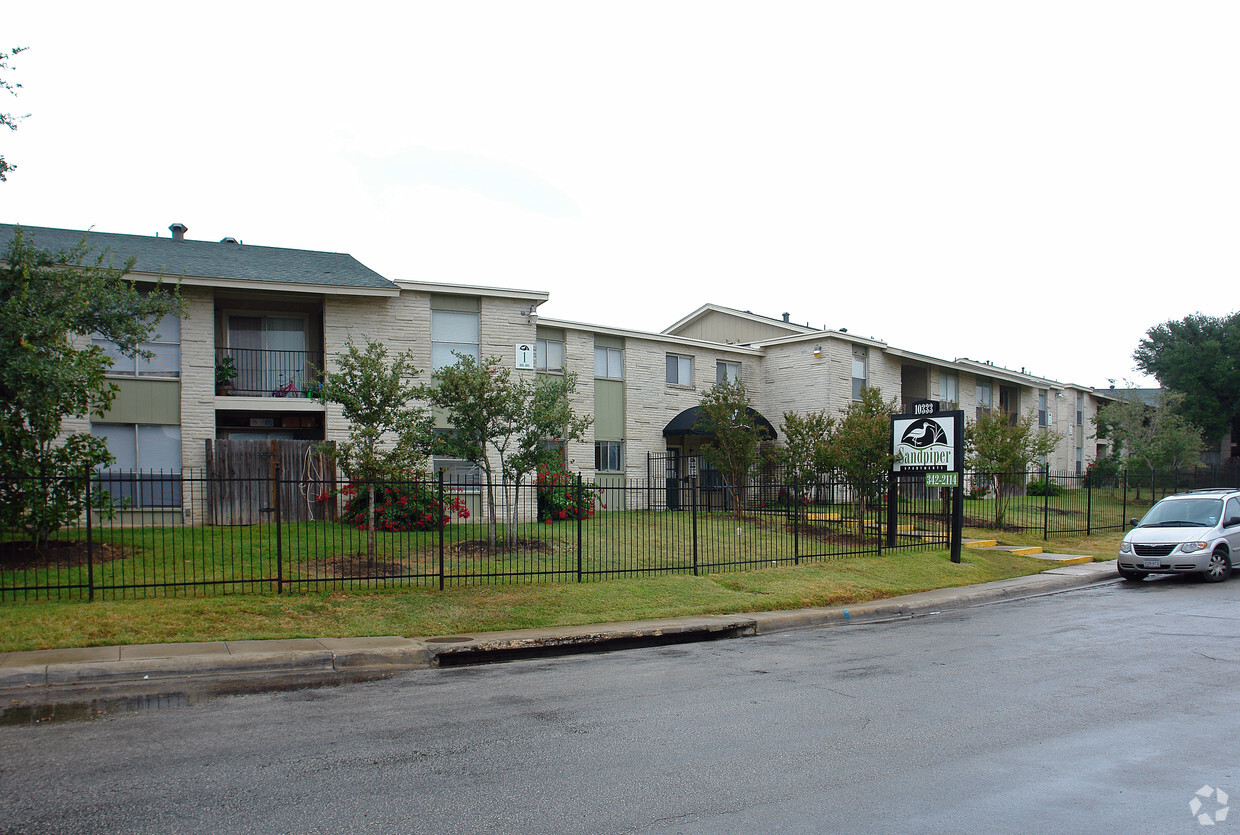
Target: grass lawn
425,612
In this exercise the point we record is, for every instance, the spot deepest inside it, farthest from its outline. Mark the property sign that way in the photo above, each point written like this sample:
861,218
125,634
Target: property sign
932,442
525,356
924,442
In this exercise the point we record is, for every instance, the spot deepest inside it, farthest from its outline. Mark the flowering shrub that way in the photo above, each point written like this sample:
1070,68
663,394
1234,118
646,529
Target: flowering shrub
402,506
557,495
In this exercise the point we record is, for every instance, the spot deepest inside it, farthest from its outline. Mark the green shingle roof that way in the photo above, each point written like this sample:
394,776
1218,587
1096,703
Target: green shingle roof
207,259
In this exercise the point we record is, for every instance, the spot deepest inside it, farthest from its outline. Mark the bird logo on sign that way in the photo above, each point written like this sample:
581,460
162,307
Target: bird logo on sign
923,433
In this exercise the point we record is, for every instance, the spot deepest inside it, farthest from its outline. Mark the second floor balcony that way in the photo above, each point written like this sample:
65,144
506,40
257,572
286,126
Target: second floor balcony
259,372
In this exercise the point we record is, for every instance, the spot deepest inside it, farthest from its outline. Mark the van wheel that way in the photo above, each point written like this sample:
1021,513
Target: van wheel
1135,576
1219,568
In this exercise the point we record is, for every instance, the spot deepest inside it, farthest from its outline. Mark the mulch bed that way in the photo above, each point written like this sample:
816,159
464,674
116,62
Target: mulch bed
355,566
57,553
482,547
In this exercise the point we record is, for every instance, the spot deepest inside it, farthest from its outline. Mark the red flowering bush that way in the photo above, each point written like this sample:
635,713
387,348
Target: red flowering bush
402,506
557,495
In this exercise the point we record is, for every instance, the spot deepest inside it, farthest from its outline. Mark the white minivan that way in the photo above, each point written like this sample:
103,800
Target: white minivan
1191,533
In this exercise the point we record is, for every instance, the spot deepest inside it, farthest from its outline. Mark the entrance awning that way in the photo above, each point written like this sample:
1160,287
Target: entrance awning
685,423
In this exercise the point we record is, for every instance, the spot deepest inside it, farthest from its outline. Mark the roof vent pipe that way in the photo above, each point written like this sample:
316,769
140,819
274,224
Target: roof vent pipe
178,231
786,315
228,240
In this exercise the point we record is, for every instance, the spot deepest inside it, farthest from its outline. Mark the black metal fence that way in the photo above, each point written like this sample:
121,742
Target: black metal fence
314,535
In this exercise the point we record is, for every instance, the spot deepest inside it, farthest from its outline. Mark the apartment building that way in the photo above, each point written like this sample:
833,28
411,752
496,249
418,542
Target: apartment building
275,315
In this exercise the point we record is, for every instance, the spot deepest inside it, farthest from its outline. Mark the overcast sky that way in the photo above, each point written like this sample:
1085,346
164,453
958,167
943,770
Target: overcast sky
1032,184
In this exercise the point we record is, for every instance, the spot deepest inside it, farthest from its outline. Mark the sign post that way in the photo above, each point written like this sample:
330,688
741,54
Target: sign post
930,441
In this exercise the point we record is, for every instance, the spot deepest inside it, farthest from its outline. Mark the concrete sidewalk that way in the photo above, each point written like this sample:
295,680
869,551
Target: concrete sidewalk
226,665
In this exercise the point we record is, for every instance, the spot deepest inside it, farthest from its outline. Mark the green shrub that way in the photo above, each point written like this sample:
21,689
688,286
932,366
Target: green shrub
1038,487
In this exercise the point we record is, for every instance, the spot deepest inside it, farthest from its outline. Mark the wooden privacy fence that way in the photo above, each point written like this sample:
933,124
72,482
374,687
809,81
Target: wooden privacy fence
242,487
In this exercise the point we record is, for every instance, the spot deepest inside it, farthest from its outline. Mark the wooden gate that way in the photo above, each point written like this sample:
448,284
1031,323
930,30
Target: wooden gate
242,487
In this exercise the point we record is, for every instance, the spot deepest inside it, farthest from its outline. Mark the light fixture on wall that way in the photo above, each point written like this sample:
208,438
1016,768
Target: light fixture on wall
532,313
818,350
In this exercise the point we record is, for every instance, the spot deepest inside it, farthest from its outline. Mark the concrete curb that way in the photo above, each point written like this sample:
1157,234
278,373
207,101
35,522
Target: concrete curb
59,673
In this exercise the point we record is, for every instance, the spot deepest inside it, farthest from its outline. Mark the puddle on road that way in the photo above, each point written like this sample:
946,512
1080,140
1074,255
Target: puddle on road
98,708
82,707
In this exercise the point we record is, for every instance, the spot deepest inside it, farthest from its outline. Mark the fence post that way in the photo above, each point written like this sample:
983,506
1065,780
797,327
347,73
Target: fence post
1123,520
442,514
1089,505
693,515
279,540
1046,501
90,546
578,515
796,523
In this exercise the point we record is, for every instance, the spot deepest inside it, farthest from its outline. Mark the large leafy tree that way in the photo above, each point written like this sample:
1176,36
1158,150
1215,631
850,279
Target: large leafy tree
999,447
50,303
496,418
1198,356
8,120
861,449
734,435
389,435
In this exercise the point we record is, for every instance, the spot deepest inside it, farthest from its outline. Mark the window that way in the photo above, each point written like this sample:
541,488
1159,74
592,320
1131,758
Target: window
609,362
457,472
1080,408
609,456
860,367
1080,460
1044,416
549,355
164,344
453,332
985,397
147,470
727,372
949,387
679,370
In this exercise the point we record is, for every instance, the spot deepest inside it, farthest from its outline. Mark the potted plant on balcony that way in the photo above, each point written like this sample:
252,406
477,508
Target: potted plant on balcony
225,373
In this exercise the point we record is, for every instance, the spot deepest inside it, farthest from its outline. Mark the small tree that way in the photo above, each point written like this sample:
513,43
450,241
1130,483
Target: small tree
861,449
547,422
490,411
1001,448
729,419
389,437
49,302
1158,435
484,411
807,455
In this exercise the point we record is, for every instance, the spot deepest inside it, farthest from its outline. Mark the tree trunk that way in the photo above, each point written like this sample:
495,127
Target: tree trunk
512,517
490,506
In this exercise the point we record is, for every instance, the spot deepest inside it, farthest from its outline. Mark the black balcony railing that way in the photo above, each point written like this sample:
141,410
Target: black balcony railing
264,373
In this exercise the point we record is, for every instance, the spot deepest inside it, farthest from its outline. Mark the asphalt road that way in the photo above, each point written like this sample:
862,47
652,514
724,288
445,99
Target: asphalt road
1100,710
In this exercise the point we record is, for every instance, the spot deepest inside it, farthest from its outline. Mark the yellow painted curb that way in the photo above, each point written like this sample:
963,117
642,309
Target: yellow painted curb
1070,560
1026,552
982,543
